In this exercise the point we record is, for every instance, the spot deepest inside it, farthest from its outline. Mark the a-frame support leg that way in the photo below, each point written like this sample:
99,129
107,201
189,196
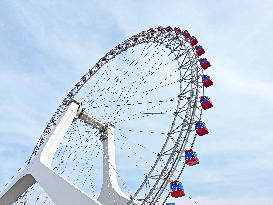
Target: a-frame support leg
61,191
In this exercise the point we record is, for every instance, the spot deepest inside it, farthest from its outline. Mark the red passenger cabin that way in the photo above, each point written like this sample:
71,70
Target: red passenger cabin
205,102
177,31
177,189
207,81
193,41
199,50
169,29
200,128
191,157
204,63
186,34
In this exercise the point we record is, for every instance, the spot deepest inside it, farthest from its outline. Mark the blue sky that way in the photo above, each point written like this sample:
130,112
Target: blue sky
46,46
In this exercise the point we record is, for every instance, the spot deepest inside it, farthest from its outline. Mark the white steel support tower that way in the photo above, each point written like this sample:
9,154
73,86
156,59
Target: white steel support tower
60,190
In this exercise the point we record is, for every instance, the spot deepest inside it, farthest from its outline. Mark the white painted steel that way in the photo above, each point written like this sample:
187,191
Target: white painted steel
110,191
61,191
16,188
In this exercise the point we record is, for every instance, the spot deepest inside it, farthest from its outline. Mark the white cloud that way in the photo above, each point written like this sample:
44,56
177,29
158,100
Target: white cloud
237,39
227,74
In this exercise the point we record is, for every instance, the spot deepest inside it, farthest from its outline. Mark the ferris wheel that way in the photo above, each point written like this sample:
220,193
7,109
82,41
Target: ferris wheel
126,131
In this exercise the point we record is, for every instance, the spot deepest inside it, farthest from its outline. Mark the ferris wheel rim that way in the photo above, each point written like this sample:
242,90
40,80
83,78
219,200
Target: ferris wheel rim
176,162
147,36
